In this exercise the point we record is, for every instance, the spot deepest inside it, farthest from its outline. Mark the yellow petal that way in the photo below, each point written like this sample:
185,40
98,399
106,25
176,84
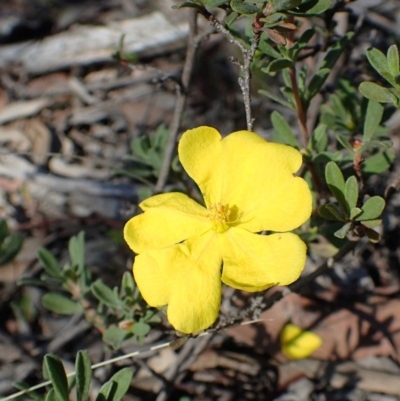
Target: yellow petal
168,219
198,149
247,173
255,262
187,278
298,343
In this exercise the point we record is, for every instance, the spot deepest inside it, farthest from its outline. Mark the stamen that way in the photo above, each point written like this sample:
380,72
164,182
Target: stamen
219,215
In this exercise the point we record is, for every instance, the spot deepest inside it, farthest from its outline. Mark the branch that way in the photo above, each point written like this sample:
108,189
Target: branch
248,55
180,102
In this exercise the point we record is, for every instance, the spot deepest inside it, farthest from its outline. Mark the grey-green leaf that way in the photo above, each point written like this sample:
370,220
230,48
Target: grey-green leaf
83,375
378,60
393,60
355,212
312,7
351,192
373,118
276,99
56,373
122,380
278,65
371,223
330,212
372,209
243,7
10,248
335,180
342,232
213,3
283,133
283,5
379,162
106,391
105,294
127,283
49,263
373,91
60,304
76,249
316,82
319,139
114,336
141,329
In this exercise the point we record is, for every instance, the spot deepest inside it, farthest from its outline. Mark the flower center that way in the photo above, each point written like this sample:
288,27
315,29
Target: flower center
219,215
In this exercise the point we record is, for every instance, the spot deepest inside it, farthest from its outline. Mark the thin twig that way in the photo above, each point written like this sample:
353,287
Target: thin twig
180,102
248,55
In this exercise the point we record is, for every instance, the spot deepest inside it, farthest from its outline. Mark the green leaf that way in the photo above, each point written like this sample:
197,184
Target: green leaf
372,209
283,5
106,391
305,38
385,144
372,223
266,48
141,329
343,140
373,117
105,294
83,375
342,232
56,374
316,83
60,304
51,396
244,8
393,60
330,212
128,284
231,18
187,4
122,379
213,3
49,263
283,133
312,7
379,162
115,336
32,394
276,99
378,60
151,316
76,248
335,51
377,93
277,65
319,139
351,192
10,248
335,180
354,212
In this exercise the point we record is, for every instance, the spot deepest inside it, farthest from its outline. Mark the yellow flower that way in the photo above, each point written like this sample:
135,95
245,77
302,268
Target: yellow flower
185,249
298,343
